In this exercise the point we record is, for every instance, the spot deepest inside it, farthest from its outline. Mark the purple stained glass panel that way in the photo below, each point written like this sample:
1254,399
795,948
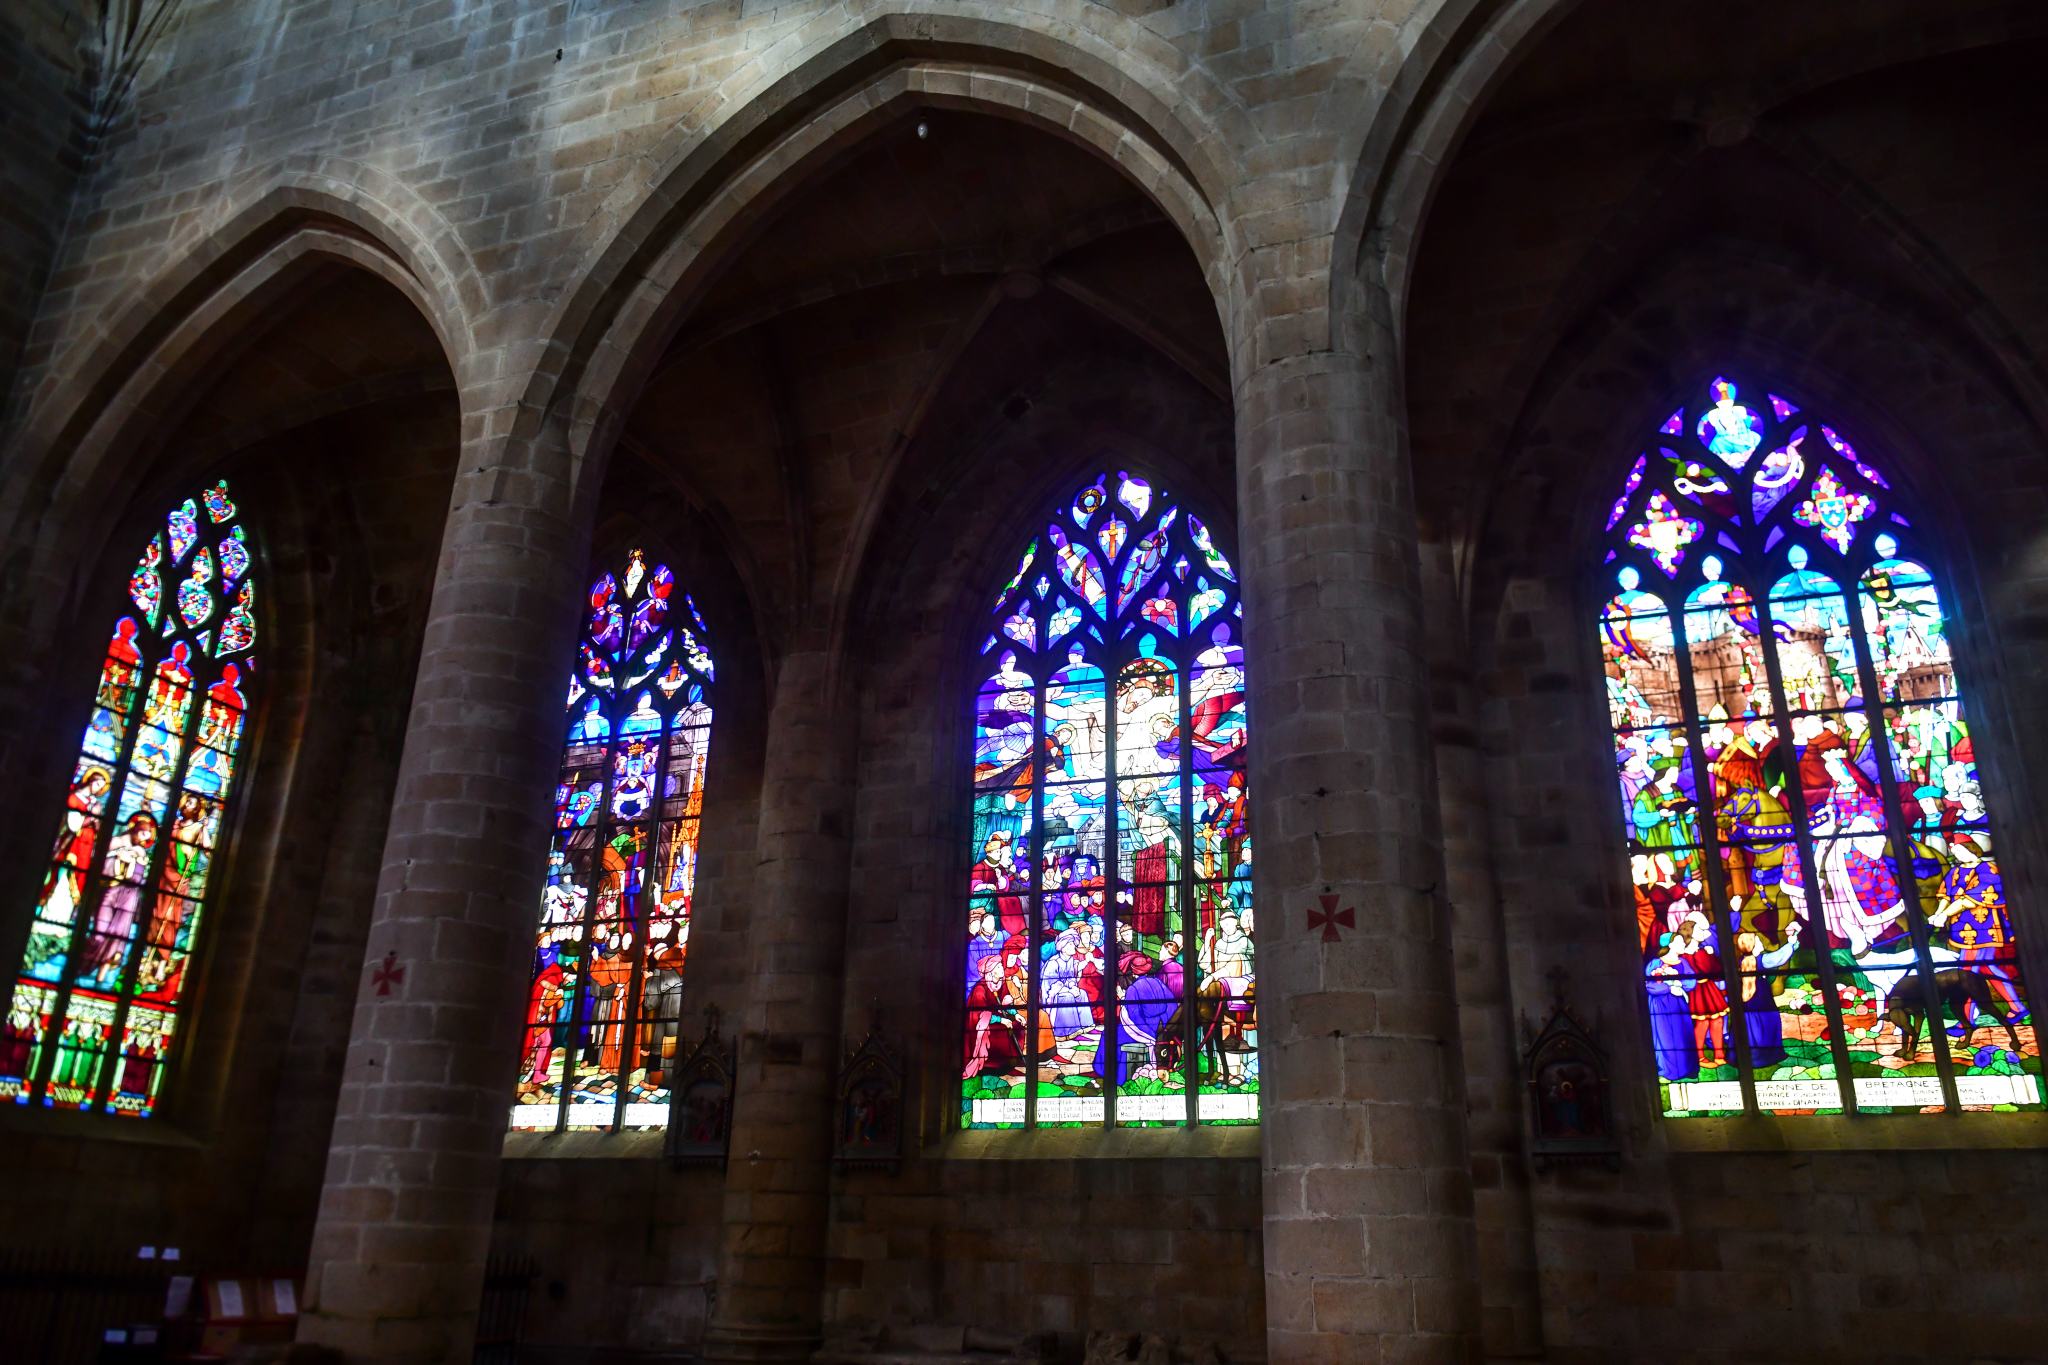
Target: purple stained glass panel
1788,841
1109,790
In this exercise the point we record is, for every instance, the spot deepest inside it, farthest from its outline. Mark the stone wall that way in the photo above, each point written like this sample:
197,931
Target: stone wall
1160,1246
821,298
42,118
1641,258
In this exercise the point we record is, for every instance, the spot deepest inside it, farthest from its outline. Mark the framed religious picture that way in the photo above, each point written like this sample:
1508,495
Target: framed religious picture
1571,1115
700,1100
869,1116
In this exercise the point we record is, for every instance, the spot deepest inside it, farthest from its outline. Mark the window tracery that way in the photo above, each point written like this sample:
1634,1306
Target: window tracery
1110,973
1821,918
100,992
605,998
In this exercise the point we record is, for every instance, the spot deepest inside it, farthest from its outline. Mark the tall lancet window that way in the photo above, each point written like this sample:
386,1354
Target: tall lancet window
606,995
1821,919
1109,968
101,988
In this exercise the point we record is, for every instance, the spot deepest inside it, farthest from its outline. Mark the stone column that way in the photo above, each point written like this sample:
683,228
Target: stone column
1511,1306
1368,1189
397,1263
771,1279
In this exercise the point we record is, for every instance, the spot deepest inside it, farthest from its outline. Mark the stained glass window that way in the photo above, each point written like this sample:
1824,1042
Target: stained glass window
101,989
605,999
1821,918
1109,967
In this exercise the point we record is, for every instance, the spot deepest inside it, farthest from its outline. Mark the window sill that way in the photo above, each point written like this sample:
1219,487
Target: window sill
1842,1133
1081,1144
29,1120
529,1146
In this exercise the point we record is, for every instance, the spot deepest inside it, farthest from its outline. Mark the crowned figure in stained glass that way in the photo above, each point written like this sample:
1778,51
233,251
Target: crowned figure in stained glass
1821,918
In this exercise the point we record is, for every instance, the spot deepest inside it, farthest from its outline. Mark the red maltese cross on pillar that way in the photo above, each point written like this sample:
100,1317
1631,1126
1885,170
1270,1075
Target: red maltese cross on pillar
389,974
1329,917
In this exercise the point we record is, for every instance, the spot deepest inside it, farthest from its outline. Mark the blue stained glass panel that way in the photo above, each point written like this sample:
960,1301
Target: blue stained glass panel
604,998
1109,969
1825,775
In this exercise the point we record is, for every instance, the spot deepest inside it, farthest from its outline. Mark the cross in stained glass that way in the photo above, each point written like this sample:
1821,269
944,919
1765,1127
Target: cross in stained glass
1664,532
1834,509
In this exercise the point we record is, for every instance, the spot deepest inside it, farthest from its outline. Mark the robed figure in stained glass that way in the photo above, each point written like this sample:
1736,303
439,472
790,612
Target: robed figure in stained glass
604,1001
99,998
1109,967
1798,781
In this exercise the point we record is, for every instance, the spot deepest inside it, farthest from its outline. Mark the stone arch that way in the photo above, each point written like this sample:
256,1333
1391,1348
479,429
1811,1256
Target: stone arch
1168,105
1971,329
423,256
1462,55
1958,443
623,316
612,361
1458,54
108,404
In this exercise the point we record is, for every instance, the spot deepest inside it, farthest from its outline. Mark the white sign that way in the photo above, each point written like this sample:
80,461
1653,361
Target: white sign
1138,1107
1875,1092
1213,1107
1687,1096
1070,1109
640,1114
1997,1090
999,1111
1913,1092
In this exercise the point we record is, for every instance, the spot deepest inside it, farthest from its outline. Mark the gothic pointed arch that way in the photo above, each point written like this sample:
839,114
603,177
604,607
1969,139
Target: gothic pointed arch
605,998
101,988
1821,919
1110,975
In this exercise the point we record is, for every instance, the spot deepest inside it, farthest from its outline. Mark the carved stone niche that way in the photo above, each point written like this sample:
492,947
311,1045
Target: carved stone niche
700,1100
869,1124
1571,1109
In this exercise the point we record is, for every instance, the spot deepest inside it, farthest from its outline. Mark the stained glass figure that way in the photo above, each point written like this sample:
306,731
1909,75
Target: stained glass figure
1822,922
1109,972
100,993
604,1003
1727,428
1665,532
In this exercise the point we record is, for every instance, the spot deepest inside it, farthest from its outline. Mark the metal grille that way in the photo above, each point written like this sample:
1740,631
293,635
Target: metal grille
56,1306
502,1318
